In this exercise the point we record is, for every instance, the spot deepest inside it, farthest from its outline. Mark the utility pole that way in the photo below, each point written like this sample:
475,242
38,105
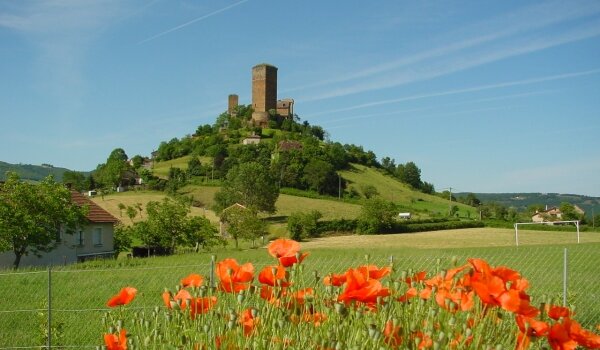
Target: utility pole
339,187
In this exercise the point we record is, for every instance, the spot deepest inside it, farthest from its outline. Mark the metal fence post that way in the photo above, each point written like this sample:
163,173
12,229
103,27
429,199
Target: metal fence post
565,276
49,340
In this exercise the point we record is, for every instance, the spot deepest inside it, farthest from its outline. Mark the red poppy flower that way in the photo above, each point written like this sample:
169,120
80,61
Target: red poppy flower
274,276
124,297
410,293
531,326
392,334
249,321
560,339
555,312
114,342
372,271
334,280
417,277
192,280
234,277
287,251
299,297
359,289
201,305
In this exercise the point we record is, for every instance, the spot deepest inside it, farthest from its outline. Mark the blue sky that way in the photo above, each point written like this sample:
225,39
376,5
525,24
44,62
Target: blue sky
483,96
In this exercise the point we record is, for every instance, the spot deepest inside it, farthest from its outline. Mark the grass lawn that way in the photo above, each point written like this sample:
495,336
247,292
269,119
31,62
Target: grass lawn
80,291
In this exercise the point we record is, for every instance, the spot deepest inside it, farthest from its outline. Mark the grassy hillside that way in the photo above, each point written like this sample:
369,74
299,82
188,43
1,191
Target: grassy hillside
393,190
161,169
31,172
521,201
420,204
111,204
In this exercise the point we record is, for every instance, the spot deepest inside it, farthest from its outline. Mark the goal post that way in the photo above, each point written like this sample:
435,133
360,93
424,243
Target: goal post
576,222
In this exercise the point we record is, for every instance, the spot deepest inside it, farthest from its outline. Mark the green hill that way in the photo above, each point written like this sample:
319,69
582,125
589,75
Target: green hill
32,172
520,201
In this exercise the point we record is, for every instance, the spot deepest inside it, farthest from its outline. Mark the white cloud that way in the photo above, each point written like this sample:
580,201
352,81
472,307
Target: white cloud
463,90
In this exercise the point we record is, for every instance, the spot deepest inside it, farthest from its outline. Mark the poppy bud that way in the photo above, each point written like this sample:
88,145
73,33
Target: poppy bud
451,321
147,341
341,309
254,312
403,275
372,330
230,324
436,345
498,347
454,260
241,297
468,332
281,322
441,336
417,341
206,328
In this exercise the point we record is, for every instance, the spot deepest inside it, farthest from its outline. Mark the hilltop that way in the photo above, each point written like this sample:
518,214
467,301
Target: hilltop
521,201
32,172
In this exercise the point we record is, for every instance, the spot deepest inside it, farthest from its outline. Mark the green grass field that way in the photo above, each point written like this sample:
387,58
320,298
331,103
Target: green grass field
79,292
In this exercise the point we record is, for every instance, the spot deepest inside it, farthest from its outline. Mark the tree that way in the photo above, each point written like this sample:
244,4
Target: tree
194,167
243,223
302,225
250,185
110,174
411,174
122,238
568,212
168,226
321,177
76,179
32,217
369,191
377,215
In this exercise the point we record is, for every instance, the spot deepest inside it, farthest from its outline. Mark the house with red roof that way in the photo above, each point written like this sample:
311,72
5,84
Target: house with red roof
91,241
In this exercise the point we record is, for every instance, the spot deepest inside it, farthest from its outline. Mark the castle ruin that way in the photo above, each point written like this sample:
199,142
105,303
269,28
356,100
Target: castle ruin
264,96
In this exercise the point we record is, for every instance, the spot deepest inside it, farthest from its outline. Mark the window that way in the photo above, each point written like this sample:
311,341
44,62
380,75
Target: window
79,238
97,236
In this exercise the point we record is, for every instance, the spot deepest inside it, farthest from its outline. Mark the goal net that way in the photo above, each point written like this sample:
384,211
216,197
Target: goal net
576,222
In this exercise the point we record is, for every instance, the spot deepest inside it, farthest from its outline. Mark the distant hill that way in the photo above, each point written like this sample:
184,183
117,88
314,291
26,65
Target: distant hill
32,172
521,201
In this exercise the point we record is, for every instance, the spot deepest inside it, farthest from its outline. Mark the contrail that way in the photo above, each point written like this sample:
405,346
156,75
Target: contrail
465,90
192,21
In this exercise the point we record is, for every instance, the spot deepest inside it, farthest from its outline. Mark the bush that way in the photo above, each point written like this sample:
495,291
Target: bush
302,225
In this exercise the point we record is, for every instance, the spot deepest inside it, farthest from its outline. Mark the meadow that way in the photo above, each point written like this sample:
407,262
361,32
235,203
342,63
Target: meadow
79,292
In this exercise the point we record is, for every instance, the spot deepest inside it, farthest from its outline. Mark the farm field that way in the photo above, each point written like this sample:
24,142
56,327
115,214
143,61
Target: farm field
79,292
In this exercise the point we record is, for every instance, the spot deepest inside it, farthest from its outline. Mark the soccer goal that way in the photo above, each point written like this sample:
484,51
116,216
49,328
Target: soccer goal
576,222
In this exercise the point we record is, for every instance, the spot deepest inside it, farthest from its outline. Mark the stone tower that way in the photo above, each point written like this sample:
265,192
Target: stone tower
264,92
232,104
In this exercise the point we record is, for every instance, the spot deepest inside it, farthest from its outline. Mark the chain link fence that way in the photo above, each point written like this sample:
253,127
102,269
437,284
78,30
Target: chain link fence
73,300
